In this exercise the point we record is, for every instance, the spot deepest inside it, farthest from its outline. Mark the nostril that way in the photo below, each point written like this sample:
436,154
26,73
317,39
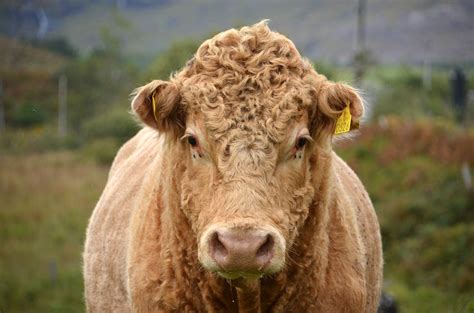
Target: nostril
218,249
241,250
266,249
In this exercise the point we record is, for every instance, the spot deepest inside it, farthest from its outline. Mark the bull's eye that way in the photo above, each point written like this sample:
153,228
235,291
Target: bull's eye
192,141
301,142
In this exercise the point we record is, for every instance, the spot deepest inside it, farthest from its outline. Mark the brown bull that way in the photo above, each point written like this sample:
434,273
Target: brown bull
231,199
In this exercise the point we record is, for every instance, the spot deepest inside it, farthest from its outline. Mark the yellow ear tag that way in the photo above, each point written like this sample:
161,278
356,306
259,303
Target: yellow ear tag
154,105
343,124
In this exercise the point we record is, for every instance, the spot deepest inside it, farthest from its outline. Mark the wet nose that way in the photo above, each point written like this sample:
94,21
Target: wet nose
241,250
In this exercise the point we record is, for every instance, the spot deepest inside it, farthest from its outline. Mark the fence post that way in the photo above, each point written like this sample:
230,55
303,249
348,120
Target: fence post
62,101
2,110
427,67
360,59
466,176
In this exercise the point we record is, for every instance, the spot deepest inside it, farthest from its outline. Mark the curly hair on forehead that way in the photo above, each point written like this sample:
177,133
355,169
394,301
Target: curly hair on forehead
250,50
252,78
251,75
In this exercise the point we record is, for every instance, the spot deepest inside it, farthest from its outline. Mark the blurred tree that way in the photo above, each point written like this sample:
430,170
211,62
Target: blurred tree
171,59
116,123
399,91
102,79
58,45
27,115
325,68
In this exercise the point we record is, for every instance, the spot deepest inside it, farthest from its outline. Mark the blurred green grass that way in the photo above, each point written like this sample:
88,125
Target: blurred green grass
46,201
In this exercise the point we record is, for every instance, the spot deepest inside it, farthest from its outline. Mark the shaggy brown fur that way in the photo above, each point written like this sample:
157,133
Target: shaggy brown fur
246,98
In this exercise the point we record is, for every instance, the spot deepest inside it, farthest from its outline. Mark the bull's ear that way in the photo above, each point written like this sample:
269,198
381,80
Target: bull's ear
157,104
332,100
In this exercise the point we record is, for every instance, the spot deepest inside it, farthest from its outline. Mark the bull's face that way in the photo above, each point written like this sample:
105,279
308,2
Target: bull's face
246,118
245,193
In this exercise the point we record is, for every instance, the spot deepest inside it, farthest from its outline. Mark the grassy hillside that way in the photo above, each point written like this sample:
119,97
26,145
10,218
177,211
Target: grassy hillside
18,56
402,31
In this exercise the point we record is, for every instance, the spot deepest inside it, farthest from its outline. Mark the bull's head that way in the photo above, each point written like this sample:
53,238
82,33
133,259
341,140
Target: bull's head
246,116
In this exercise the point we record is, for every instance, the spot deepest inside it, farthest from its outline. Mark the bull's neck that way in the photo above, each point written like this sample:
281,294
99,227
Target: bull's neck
274,293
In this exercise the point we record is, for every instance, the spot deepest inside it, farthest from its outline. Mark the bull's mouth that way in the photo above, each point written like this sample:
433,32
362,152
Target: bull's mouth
234,275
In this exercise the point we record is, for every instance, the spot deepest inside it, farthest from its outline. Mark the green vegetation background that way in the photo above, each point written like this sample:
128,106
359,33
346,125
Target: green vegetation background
409,155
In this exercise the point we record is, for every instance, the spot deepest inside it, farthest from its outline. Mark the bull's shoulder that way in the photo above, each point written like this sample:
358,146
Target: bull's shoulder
139,146
129,187
349,184
346,174
357,204
128,180
136,161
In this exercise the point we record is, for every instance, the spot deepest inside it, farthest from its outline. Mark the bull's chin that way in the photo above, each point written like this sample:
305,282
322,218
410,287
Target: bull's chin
233,275
246,274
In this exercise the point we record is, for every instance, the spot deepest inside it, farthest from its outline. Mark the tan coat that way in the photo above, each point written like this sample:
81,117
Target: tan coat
144,248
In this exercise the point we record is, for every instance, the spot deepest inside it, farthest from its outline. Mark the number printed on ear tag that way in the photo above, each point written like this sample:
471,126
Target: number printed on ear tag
343,124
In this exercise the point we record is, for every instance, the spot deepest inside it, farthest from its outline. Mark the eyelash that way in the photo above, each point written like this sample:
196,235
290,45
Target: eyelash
192,141
300,143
